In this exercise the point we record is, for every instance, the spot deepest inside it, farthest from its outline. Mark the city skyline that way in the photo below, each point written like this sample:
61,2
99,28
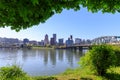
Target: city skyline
80,24
46,37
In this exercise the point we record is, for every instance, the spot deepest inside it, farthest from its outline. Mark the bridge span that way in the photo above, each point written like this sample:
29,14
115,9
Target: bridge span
76,47
79,47
112,40
83,46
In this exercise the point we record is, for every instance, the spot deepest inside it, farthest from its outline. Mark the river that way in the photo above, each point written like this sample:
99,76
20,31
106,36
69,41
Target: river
40,62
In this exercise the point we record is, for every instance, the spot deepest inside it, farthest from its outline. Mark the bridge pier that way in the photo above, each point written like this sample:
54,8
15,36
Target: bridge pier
74,48
80,49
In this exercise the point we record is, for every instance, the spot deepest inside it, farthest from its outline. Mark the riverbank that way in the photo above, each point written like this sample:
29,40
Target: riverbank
86,74
16,73
36,47
82,74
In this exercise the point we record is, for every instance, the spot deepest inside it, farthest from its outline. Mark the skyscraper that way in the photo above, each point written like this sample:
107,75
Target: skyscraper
69,42
60,42
52,41
71,37
46,40
54,36
78,41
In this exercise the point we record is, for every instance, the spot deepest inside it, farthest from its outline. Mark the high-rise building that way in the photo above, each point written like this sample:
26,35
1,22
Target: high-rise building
78,40
52,41
54,36
46,40
71,37
69,42
60,42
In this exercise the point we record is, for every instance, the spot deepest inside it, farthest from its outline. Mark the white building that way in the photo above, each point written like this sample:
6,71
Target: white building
77,40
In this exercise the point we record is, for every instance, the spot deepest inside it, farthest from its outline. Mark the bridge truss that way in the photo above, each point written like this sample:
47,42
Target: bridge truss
106,39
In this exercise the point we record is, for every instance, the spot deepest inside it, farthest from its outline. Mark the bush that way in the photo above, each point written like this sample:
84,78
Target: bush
117,53
12,73
45,78
100,58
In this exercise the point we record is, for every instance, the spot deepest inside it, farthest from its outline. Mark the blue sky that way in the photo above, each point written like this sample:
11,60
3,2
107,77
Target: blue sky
80,24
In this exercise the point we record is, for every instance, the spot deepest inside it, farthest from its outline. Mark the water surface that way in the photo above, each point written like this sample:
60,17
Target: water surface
40,62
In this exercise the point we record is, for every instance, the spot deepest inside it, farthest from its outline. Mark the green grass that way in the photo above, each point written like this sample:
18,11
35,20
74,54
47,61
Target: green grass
44,78
15,73
42,48
85,74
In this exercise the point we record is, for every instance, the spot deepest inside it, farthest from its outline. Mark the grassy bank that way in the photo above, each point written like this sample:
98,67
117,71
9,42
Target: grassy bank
83,74
86,74
16,73
37,47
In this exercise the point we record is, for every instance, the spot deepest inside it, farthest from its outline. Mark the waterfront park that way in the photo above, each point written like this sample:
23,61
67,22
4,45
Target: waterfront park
99,62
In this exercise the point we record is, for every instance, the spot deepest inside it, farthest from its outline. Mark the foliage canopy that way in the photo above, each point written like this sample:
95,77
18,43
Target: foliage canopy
22,14
100,58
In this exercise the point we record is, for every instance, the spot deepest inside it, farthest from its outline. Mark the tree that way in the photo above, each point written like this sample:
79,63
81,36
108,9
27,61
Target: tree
100,58
22,14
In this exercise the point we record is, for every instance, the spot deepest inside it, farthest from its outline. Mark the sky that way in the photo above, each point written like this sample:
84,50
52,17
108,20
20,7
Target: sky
81,24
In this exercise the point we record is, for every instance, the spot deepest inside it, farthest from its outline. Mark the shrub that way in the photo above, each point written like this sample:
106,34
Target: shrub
45,78
116,49
99,59
12,73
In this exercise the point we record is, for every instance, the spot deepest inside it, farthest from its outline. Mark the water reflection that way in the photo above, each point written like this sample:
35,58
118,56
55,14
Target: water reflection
28,54
40,62
46,57
61,54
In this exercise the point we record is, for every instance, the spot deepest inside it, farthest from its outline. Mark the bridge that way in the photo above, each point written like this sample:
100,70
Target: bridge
76,47
112,40
106,39
79,47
